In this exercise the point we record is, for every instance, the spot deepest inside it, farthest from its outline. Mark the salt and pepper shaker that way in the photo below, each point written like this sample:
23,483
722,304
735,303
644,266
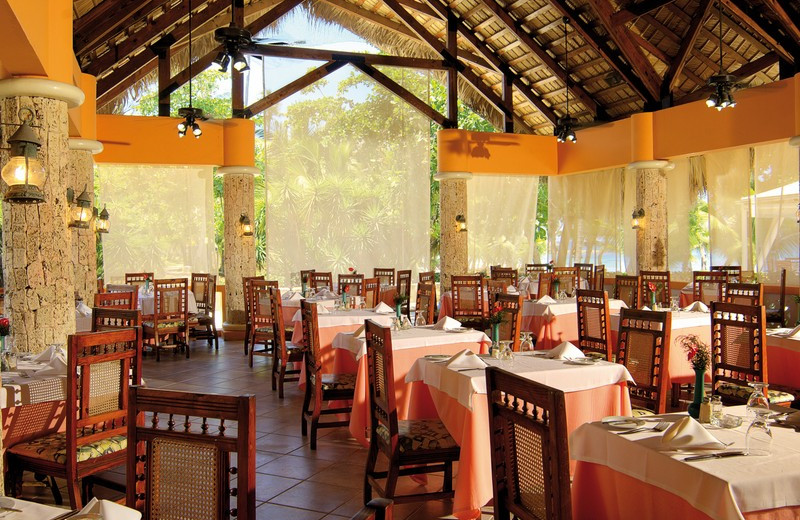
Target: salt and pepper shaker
705,410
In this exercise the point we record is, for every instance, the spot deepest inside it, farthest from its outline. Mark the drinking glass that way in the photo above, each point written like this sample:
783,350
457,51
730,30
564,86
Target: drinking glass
505,351
716,410
419,320
526,345
758,440
674,305
758,401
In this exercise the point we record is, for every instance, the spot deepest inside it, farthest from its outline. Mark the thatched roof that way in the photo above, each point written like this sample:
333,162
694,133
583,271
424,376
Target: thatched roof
624,57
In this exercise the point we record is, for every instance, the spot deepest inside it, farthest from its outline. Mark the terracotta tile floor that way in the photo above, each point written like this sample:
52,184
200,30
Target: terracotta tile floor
292,482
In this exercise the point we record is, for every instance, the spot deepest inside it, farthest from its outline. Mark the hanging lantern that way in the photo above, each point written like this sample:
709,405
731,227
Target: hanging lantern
101,220
24,174
247,227
80,209
637,218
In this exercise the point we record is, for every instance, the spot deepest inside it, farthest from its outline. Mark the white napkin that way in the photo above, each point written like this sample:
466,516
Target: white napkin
287,295
689,434
546,299
298,316
696,307
109,510
511,289
646,308
324,293
83,309
296,296
447,323
382,308
795,332
565,350
360,332
55,366
321,309
48,353
525,280
465,359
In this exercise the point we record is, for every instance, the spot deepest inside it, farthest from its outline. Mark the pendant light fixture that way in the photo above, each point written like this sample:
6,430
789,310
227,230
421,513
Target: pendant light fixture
24,173
232,38
722,84
190,114
564,127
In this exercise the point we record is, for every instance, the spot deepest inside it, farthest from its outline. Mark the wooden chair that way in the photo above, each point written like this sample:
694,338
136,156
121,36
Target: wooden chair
594,329
511,325
643,345
628,289
495,287
204,288
734,272
180,464
506,274
248,297
170,316
125,288
413,447
739,353
98,376
384,274
262,330
599,278
469,300
533,271
404,288
305,277
117,300
427,277
376,509
138,278
353,283
372,292
101,286
709,286
105,319
321,388
778,316
528,445
660,280
283,351
568,279
585,272
545,285
317,281
426,302
744,293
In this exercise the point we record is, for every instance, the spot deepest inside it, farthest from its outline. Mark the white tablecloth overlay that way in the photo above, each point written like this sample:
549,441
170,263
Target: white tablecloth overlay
775,340
720,488
30,510
559,308
328,303
147,303
680,320
419,337
344,318
24,387
558,374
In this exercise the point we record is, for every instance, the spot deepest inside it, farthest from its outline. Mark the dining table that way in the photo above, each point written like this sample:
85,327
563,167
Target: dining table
555,321
592,391
783,357
18,509
635,476
407,346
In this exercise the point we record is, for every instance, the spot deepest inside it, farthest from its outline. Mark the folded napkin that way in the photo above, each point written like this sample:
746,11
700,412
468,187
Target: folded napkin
324,293
511,289
382,308
525,280
696,307
360,332
321,309
55,366
48,354
287,295
109,510
645,308
83,309
689,434
564,351
465,359
546,299
794,333
447,323
294,297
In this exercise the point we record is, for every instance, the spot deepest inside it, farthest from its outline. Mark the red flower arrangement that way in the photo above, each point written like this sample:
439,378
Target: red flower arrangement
496,316
697,352
5,326
651,286
352,270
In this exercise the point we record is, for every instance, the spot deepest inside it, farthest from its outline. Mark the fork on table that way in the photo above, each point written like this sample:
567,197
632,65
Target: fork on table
659,427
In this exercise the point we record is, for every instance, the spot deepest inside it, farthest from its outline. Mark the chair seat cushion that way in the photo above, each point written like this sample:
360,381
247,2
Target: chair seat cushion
53,447
164,324
419,435
264,330
743,393
642,412
338,381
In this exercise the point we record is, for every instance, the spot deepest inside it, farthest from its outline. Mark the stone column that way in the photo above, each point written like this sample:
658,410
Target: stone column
453,246
240,251
651,196
37,246
80,175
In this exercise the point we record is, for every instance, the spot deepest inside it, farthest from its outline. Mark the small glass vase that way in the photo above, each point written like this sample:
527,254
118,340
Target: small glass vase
653,301
495,338
699,393
398,310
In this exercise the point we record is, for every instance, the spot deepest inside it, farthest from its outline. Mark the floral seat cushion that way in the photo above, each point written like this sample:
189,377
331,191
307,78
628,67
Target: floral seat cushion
743,393
54,448
264,330
164,324
338,381
419,435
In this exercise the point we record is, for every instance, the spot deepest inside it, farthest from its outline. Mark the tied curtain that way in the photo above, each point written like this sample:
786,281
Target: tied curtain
162,220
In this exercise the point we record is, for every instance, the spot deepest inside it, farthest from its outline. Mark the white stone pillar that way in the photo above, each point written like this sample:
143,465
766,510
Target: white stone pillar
453,252
80,175
37,246
651,196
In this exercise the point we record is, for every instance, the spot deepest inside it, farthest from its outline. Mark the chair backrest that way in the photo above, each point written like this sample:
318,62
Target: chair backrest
246,293
568,279
545,285
384,274
506,274
319,280
179,461
734,272
304,276
261,316
628,289
468,297
511,325
310,323
101,285
353,283
404,283
533,271
276,311
380,373
594,329
117,300
372,292
204,288
599,278
426,301
643,345
738,344
528,443
138,278
427,277
104,318
744,293
585,272
660,280
709,286
494,287
113,288
170,300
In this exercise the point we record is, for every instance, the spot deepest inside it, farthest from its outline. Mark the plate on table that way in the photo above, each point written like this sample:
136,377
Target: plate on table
437,357
459,330
583,361
622,422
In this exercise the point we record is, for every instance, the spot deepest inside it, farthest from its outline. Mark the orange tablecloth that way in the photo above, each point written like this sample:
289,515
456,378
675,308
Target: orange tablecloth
783,358
551,331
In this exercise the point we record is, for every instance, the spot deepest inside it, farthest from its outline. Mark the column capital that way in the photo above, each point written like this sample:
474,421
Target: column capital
657,164
251,170
40,87
795,141
88,145
449,176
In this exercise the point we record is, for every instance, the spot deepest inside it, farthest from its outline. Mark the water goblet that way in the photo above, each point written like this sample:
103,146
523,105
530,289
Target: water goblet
758,401
758,440
419,320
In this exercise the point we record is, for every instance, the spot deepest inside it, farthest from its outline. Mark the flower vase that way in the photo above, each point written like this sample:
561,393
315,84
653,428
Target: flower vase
699,393
556,287
495,336
398,309
652,300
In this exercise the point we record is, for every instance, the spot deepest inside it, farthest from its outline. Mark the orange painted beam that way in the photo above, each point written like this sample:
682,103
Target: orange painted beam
493,153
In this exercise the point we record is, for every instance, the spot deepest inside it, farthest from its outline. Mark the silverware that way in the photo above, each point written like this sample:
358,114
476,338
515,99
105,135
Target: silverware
467,369
659,427
719,455
9,510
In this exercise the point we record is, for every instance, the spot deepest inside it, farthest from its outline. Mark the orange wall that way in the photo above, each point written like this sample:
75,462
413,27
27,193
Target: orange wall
488,153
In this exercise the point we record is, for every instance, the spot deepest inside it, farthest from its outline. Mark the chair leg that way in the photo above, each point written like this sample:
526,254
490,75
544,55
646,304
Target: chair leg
447,486
74,490
391,479
280,381
304,411
246,337
216,337
372,459
56,492
314,428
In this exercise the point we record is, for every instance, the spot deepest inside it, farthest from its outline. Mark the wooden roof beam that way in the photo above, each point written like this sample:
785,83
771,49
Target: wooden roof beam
632,11
742,73
687,44
105,18
304,53
763,28
293,87
789,23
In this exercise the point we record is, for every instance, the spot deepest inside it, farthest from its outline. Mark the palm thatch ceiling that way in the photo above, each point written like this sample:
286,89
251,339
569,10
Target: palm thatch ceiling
624,56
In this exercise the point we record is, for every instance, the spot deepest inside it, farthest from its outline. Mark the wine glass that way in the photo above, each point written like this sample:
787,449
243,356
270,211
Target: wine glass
758,402
758,440
526,345
419,320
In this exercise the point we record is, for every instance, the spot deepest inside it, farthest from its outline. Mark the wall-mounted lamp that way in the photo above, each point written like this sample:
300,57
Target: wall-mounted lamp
637,218
79,209
461,222
24,174
101,220
247,227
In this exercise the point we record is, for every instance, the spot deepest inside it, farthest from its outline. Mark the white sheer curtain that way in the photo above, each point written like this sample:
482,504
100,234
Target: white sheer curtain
162,220
501,212
679,207
730,230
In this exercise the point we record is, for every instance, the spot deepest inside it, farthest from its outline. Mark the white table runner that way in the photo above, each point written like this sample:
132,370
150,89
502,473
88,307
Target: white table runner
24,387
418,337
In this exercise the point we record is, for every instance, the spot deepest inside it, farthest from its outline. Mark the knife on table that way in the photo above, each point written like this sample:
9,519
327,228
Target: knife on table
720,455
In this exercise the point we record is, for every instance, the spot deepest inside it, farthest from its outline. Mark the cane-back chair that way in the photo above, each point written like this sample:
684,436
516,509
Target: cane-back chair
352,284
284,352
469,300
318,281
778,316
99,371
629,290
413,446
304,277
372,292
384,274
124,288
643,344
248,298
426,302
511,326
599,278
744,293
660,280
138,278
533,271
404,289
204,288
495,287
594,328
568,279
321,388
506,274
528,445
262,331
709,286
739,352
181,462
104,319
734,272
545,285
427,277
585,272
170,317
116,300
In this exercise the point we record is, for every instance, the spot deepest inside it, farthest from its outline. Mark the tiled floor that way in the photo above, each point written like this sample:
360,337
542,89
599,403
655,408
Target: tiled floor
292,482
